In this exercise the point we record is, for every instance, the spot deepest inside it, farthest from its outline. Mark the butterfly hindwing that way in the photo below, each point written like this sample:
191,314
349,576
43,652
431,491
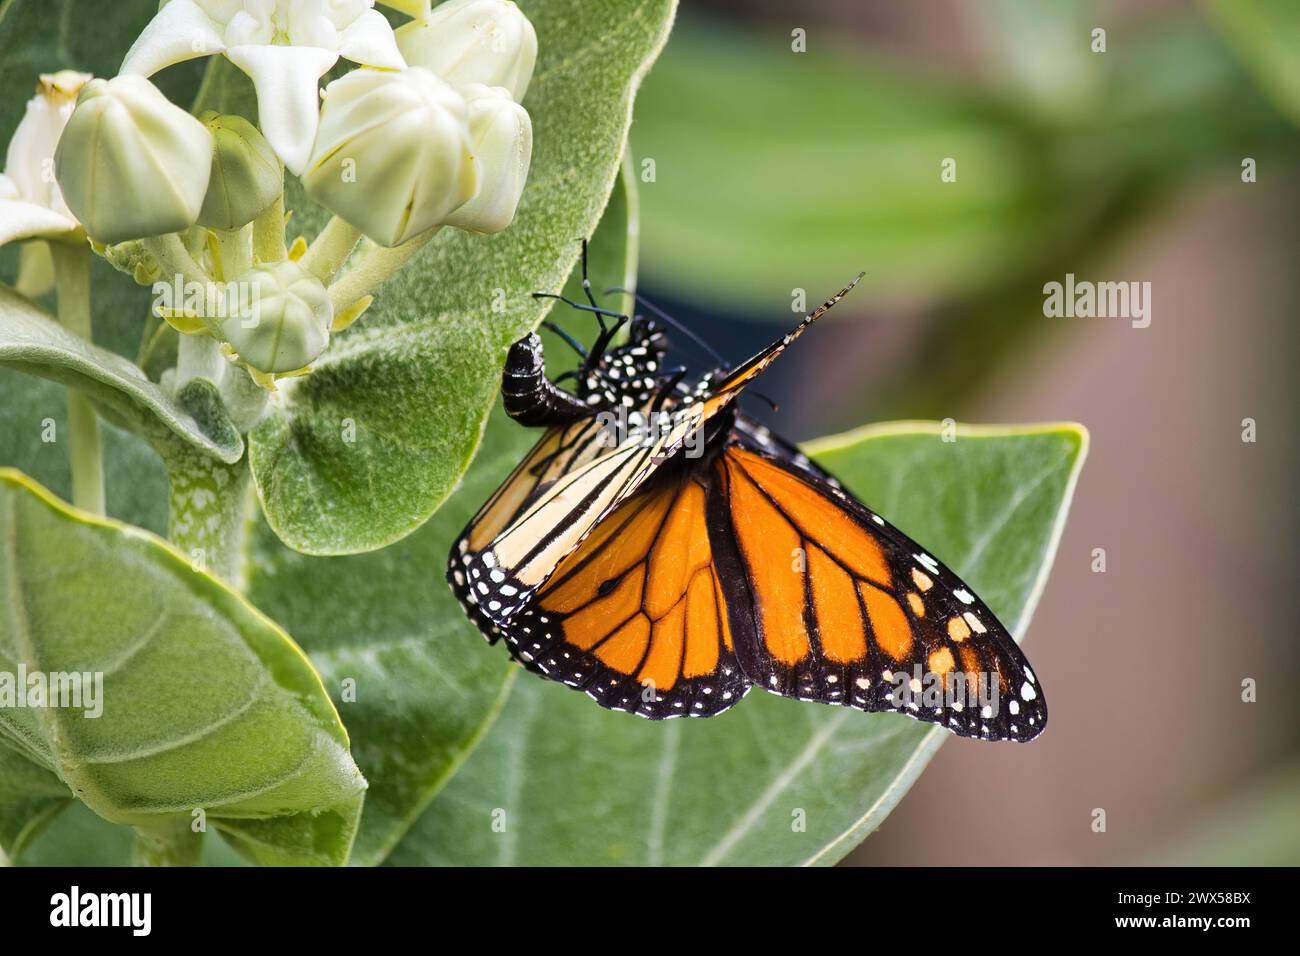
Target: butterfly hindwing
830,603
635,615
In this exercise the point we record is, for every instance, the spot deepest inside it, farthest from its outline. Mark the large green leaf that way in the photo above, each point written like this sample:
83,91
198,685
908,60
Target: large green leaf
205,702
424,694
578,784
34,342
415,378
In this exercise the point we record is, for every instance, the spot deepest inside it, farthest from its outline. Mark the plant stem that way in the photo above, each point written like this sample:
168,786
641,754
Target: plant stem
327,253
207,512
268,234
371,267
173,845
72,279
175,260
245,400
198,356
236,247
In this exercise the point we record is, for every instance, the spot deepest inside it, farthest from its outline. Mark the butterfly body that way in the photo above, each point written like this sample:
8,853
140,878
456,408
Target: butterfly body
665,553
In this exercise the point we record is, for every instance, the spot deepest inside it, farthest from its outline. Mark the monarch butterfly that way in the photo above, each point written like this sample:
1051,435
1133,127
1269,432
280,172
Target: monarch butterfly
667,566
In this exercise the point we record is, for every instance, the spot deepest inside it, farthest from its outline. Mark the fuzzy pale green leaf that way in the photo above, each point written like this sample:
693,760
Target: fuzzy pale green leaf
32,341
416,377
581,785
205,702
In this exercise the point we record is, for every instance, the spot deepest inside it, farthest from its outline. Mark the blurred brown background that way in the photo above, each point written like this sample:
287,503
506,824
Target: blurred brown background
1123,165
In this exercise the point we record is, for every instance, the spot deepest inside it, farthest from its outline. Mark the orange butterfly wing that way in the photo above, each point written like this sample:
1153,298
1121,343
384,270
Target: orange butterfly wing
830,603
635,615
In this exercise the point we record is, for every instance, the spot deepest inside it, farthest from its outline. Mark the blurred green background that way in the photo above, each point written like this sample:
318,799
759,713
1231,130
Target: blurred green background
765,170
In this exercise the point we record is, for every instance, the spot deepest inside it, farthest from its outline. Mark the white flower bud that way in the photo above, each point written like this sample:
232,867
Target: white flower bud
473,41
132,164
281,321
246,175
503,141
393,155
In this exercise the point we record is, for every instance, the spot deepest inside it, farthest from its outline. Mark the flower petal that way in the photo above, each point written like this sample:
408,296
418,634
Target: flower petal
26,220
288,95
369,40
29,164
181,30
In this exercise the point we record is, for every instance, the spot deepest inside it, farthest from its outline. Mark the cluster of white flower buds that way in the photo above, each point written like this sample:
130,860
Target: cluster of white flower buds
426,132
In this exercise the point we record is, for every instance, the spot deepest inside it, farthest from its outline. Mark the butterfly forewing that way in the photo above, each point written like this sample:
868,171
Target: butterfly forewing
572,479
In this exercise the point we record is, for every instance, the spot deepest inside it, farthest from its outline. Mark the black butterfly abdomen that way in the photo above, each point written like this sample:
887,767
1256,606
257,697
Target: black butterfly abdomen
531,398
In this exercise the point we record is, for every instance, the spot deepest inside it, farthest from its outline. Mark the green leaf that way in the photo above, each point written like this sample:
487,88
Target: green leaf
1254,825
822,165
35,342
1040,53
77,837
424,695
581,785
1266,36
205,703
418,696
30,796
135,479
417,375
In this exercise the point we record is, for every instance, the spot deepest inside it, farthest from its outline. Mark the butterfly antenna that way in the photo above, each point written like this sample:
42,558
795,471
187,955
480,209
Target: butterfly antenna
676,324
